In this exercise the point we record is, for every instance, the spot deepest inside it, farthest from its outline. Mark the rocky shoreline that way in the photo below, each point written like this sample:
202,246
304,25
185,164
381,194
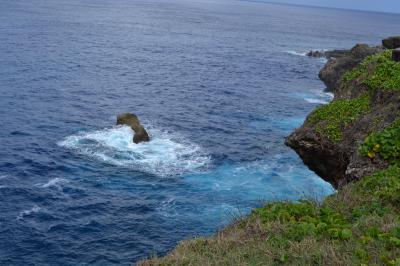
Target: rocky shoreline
337,159
355,137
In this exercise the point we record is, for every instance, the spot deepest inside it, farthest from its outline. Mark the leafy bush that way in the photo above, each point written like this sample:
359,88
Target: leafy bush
330,119
386,143
383,186
377,71
306,219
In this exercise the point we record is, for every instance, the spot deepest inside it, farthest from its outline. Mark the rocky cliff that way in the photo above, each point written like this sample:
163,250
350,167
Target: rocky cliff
359,131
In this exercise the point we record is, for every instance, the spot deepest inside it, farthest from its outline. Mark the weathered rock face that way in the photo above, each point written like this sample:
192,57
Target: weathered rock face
340,162
320,155
396,55
132,120
341,61
391,42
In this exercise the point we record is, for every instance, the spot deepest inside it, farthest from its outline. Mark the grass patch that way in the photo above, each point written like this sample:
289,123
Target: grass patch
359,225
385,143
331,119
377,71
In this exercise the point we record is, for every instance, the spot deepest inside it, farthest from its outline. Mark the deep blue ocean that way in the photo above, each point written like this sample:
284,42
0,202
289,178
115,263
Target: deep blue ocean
218,84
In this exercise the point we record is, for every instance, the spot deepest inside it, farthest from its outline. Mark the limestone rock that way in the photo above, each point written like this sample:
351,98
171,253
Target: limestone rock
132,120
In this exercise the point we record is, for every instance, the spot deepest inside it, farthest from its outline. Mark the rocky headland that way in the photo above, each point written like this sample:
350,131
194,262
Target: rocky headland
353,143
364,81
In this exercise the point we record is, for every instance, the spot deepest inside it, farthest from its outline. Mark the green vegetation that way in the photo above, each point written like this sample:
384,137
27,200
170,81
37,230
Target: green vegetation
360,225
377,71
385,143
332,118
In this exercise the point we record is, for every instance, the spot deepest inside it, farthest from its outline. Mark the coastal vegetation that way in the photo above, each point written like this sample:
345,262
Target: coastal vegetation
377,71
385,143
360,223
332,118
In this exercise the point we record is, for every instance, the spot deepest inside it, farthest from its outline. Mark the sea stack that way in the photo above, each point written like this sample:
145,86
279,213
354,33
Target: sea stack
132,120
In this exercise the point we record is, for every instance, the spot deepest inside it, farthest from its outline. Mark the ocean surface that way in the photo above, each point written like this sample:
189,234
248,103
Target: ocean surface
218,84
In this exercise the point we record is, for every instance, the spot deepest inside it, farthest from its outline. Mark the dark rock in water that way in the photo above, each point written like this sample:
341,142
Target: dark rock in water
141,135
343,60
132,120
391,42
396,55
316,54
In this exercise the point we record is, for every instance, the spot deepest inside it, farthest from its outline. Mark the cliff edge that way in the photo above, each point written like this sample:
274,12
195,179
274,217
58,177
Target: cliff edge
344,140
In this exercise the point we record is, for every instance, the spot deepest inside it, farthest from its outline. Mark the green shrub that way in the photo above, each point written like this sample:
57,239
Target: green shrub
386,143
306,219
330,119
377,71
383,186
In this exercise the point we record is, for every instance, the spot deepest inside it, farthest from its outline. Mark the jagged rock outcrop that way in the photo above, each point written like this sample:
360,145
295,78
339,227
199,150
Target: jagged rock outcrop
343,60
316,54
391,42
329,54
328,143
132,120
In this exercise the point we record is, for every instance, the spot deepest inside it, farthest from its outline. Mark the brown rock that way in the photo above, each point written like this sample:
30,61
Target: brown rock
132,120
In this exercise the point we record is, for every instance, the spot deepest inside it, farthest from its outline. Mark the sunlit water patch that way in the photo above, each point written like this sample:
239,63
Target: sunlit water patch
275,179
167,154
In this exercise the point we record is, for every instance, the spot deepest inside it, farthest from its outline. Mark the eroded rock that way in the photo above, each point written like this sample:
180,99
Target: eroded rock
132,121
341,61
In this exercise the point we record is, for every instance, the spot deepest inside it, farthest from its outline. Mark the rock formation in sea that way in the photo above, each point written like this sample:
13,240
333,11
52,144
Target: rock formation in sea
366,86
132,120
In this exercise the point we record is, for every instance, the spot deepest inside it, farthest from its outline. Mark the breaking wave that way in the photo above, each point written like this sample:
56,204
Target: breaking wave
165,155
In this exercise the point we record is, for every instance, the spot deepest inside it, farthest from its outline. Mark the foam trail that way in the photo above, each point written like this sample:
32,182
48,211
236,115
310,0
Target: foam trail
165,155
34,209
55,182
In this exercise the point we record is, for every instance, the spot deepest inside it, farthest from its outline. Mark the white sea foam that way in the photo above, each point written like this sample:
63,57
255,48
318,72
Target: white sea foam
165,155
322,97
55,182
319,101
298,53
34,209
304,54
